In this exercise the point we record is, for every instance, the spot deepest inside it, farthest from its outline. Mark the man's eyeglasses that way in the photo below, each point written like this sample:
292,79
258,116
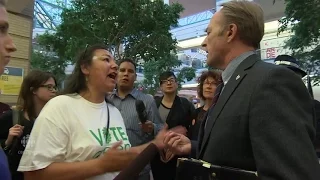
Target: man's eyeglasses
50,87
168,80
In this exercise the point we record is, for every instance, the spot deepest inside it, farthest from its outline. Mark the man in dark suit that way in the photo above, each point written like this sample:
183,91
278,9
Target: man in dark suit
263,118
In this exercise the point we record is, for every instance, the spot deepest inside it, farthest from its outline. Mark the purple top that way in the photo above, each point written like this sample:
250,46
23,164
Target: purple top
4,168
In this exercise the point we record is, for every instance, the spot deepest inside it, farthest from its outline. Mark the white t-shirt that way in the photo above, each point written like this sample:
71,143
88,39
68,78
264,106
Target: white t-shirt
72,129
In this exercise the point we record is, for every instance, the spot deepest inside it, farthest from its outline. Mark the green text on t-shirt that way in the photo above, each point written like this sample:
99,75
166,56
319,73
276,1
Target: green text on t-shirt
104,138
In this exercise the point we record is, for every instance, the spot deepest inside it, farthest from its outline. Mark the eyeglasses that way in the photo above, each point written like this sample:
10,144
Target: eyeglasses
210,83
50,87
168,80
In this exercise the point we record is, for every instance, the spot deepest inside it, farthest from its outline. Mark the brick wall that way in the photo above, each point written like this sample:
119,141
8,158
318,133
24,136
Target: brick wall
20,31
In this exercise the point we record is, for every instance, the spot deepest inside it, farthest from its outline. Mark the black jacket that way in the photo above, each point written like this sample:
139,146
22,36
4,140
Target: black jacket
181,114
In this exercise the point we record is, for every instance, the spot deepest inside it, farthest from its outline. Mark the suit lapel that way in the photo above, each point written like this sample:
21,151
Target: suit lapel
239,74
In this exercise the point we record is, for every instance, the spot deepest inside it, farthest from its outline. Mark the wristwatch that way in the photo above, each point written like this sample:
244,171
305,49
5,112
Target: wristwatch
4,147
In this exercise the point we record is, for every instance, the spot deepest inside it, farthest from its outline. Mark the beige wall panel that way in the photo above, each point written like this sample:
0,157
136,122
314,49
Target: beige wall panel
19,25
11,100
23,47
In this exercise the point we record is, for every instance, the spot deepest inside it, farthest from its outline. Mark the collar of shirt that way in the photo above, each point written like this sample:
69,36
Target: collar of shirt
134,93
232,66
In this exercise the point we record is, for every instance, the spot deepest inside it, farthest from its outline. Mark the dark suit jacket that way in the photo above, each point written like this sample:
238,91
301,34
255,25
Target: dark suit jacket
317,141
263,121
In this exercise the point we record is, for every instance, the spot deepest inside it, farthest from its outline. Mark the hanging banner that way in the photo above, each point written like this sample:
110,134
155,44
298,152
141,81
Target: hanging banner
11,81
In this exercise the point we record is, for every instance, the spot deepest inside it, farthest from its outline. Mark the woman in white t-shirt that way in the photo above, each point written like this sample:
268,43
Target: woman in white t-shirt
76,135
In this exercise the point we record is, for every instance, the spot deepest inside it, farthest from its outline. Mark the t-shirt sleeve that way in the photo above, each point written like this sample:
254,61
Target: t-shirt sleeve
48,140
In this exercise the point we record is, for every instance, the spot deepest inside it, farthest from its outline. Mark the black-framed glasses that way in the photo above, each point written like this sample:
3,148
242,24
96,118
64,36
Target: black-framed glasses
168,80
50,87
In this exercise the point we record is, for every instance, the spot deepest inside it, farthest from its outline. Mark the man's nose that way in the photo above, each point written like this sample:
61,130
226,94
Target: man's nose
10,46
204,44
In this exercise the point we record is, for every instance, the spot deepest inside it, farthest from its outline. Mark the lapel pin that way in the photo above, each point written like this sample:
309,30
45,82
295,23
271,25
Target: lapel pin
237,77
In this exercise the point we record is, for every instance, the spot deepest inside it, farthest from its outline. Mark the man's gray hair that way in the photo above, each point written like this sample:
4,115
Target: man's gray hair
249,18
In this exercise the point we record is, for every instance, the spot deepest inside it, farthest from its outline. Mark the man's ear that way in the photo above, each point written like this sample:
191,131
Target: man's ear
232,32
135,77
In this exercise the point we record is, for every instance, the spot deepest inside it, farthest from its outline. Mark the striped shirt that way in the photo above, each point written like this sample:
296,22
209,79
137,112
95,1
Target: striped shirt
128,111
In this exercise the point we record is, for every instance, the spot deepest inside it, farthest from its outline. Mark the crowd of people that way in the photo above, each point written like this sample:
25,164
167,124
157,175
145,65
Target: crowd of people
256,116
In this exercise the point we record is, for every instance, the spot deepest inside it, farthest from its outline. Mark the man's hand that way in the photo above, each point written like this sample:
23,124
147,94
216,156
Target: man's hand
177,143
147,127
114,160
160,138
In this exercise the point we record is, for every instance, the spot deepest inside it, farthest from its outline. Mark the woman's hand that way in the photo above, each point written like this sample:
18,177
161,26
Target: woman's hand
114,160
15,131
159,140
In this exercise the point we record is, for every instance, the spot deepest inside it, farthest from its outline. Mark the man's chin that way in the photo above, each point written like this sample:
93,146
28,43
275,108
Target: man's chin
124,86
214,63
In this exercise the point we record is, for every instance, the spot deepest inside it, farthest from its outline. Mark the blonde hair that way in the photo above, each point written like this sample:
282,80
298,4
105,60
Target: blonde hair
249,18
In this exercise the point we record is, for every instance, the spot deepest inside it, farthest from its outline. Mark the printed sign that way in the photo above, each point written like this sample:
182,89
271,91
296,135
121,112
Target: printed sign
271,53
11,81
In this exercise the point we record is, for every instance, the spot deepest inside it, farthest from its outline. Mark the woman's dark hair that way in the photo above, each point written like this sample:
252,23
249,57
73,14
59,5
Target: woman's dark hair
206,74
30,83
77,80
